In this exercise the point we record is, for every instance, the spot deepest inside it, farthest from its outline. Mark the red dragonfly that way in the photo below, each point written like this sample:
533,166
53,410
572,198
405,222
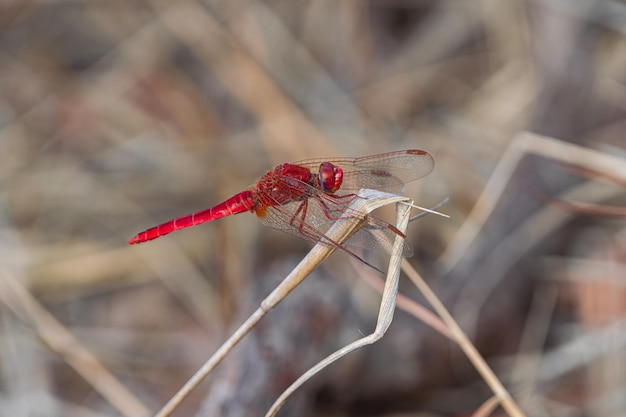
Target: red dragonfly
305,198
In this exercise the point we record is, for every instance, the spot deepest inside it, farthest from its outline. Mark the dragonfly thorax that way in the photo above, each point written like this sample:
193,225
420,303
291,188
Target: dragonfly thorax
285,183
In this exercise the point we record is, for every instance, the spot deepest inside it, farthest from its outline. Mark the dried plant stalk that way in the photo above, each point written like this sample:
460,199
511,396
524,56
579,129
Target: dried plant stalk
385,313
16,297
465,344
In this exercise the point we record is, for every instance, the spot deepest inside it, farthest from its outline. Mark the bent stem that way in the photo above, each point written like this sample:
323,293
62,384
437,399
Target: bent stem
385,314
340,231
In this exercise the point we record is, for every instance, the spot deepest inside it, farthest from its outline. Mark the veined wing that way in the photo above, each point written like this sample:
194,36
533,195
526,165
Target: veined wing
312,216
385,172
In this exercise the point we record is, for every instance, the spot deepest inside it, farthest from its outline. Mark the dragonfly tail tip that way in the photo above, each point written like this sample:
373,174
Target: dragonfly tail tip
134,240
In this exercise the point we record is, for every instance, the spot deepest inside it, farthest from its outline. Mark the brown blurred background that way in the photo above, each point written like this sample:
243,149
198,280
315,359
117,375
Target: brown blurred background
118,115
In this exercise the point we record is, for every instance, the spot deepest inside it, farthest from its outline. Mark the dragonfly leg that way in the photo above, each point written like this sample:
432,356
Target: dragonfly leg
377,223
328,212
298,219
301,208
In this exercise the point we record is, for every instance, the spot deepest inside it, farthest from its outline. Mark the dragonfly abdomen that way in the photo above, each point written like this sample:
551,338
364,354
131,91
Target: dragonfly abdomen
238,203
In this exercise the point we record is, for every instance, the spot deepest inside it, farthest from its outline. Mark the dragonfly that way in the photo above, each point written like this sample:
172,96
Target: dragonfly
305,198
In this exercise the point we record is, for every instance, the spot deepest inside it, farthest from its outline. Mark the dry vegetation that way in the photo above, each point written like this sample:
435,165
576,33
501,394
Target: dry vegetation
118,115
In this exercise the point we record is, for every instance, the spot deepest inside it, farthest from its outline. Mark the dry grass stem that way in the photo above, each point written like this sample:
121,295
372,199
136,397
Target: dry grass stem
465,344
523,144
385,314
61,341
279,118
526,367
404,303
487,407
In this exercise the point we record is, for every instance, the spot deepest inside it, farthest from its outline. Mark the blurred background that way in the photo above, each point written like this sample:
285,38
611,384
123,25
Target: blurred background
116,116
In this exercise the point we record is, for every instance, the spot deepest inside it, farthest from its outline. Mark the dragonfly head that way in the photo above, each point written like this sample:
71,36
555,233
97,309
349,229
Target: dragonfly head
330,177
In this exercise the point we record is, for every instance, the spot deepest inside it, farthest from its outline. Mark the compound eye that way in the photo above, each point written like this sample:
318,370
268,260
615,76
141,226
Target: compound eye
330,177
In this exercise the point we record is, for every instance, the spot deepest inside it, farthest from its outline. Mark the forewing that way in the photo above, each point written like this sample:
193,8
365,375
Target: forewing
385,172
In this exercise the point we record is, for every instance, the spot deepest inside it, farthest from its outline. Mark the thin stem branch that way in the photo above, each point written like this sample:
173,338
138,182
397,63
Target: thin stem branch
464,343
17,298
385,313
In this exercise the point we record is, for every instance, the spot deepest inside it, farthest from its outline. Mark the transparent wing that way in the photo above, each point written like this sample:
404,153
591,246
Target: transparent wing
385,172
314,212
